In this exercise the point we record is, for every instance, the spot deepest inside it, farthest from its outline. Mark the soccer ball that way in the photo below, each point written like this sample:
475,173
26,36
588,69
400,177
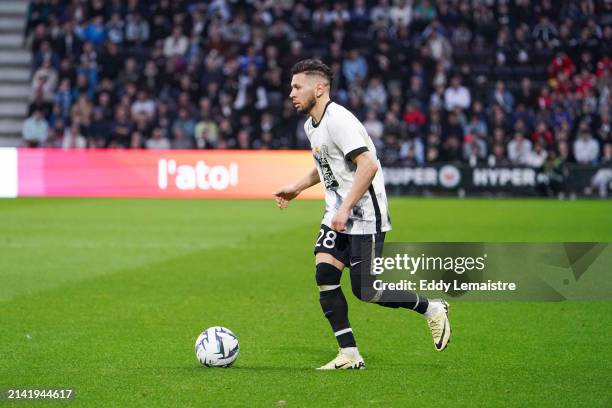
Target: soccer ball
217,347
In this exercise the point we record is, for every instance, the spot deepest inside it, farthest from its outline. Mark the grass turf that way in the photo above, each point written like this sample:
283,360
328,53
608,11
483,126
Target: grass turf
107,296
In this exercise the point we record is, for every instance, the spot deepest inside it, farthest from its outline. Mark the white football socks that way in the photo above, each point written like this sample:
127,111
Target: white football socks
350,351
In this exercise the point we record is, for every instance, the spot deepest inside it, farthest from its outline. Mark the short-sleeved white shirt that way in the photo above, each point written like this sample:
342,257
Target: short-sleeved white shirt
335,140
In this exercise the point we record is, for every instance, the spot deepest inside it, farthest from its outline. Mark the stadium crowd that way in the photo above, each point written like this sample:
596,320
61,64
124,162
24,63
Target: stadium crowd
490,82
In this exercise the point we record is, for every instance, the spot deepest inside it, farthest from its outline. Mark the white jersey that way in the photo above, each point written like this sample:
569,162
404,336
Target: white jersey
337,138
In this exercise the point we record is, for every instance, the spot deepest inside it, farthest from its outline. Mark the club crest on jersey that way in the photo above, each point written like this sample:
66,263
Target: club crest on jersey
321,155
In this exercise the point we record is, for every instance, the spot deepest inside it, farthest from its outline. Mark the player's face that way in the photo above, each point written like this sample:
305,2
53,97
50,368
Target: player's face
302,93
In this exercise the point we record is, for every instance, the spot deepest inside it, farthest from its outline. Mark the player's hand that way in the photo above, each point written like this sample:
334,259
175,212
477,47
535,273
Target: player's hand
284,195
339,220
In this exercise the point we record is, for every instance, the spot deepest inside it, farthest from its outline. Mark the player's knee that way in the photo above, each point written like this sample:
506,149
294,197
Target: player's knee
327,276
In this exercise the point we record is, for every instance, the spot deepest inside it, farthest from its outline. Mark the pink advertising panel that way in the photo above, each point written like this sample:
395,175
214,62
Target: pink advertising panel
168,173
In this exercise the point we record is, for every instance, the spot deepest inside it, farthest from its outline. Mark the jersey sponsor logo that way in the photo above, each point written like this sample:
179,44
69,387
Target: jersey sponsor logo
321,156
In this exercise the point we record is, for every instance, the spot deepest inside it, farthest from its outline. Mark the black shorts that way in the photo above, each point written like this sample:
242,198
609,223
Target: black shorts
351,250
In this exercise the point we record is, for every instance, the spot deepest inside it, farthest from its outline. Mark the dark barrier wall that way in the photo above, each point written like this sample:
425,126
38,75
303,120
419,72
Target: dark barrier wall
459,179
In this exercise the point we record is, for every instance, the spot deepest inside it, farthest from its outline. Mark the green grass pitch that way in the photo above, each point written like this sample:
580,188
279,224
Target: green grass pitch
108,296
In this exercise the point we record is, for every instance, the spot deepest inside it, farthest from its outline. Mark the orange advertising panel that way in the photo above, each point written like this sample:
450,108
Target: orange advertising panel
168,173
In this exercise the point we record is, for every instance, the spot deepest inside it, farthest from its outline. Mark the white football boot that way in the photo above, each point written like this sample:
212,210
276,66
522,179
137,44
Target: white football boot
439,324
347,359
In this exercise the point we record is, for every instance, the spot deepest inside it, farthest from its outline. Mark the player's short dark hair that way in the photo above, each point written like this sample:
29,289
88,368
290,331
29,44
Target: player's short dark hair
313,67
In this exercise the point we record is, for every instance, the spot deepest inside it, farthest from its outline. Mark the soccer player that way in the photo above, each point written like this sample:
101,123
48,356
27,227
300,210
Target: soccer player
356,214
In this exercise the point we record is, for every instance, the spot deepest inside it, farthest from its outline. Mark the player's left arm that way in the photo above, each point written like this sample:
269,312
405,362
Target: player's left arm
367,166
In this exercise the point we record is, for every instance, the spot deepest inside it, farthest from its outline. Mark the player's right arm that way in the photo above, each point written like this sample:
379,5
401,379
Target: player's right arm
289,192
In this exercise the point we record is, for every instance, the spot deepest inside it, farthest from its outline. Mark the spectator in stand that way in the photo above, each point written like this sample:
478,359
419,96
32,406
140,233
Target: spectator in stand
584,82
376,94
424,11
137,30
44,82
158,141
537,157
453,128
374,127
244,139
401,13
502,97
136,140
603,178
88,70
95,32
476,126
73,138
554,169
542,133
55,134
131,73
381,12
121,129
389,155
526,95
412,151
206,134
451,149
175,46
498,157
456,96
560,117
180,139
185,122
143,104
438,46
68,44
63,98
45,54
359,16
355,67
545,100
109,65
603,128
413,117
115,29
436,99
586,148
605,64
266,142
562,63
519,149
35,129
99,129
545,33
474,148
81,111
